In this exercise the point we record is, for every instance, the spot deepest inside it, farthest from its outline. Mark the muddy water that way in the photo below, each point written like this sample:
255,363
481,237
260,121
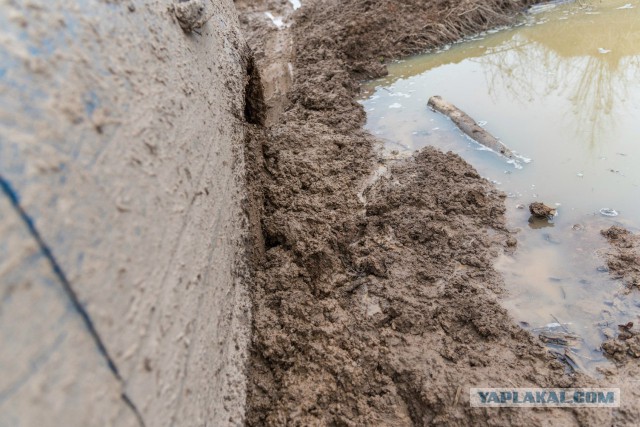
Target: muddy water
563,90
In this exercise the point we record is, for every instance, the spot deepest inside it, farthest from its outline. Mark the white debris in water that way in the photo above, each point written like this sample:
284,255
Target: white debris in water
603,50
521,158
580,174
516,164
400,94
277,20
626,6
482,123
608,212
295,3
395,105
516,161
534,10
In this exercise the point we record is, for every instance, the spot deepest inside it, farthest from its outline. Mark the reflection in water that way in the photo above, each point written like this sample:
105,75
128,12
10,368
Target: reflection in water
593,62
563,89
580,64
538,223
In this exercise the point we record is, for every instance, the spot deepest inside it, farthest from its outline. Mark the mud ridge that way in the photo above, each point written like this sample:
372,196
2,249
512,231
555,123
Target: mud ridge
382,313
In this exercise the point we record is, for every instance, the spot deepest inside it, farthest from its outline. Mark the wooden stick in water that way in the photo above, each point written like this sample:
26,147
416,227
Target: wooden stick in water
469,126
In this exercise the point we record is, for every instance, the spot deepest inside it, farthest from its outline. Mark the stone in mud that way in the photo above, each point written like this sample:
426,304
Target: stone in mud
540,210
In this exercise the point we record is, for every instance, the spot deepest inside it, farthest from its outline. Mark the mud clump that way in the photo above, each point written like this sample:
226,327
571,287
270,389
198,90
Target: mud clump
376,307
626,344
623,258
623,347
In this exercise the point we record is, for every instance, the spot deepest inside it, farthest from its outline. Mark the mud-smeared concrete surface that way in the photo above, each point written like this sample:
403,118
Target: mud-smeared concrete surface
123,297
623,259
376,301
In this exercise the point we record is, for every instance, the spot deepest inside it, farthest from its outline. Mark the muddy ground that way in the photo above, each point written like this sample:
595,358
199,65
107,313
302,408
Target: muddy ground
623,261
376,301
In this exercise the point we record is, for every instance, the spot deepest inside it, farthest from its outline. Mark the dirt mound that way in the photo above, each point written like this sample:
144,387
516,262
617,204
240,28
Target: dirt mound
376,304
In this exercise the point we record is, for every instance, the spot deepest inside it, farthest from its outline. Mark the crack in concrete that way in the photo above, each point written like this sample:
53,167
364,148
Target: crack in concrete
13,197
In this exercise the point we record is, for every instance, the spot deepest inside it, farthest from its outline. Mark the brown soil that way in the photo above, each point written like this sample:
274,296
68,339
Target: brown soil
376,301
623,259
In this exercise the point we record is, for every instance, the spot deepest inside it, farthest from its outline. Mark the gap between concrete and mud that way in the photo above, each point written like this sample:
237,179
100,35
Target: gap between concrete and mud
384,312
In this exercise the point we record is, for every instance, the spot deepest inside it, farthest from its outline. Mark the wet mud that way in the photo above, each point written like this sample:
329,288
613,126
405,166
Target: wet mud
376,302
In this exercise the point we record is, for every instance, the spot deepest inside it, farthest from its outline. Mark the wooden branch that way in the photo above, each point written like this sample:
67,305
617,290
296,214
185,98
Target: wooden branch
469,126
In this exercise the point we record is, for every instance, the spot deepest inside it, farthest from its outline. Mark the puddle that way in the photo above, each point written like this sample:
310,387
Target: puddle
562,89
